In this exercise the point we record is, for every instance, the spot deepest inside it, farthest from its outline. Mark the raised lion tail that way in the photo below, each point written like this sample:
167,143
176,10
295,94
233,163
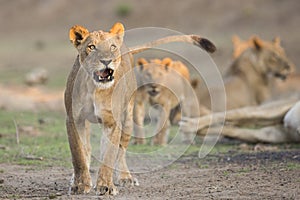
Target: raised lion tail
203,43
195,82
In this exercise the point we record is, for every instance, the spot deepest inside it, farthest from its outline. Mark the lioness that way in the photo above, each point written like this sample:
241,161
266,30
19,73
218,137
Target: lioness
249,78
239,45
280,88
273,122
165,83
100,89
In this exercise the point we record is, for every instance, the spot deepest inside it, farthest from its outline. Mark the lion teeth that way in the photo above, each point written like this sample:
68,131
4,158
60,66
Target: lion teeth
108,77
99,77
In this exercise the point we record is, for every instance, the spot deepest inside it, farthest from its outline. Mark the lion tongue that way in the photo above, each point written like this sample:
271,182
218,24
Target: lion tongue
104,73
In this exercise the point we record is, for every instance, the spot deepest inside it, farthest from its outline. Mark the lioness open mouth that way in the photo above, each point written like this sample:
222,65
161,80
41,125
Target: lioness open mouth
104,75
281,76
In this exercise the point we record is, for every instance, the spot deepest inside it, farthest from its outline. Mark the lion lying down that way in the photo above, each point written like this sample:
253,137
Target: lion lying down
249,79
100,89
279,88
275,122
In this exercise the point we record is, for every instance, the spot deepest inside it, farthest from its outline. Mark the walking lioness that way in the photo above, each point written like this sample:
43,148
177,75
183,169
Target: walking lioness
100,89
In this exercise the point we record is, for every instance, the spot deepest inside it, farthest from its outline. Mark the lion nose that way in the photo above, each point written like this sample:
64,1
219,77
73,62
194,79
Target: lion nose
105,62
153,86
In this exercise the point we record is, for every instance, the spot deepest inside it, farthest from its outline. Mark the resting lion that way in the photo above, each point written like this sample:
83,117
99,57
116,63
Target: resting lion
280,88
250,77
165,83
274,122
100,89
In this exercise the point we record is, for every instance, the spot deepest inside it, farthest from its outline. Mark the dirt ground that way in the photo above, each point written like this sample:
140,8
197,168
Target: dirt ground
35,34
260,175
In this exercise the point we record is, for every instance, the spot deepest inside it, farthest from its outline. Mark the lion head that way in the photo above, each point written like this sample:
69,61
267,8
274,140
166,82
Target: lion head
267,57
156,74
272,58
151,73
99,52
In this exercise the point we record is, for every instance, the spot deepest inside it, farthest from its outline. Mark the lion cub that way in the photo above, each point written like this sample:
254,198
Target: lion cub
164,84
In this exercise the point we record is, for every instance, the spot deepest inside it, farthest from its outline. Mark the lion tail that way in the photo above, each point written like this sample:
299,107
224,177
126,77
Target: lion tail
203,43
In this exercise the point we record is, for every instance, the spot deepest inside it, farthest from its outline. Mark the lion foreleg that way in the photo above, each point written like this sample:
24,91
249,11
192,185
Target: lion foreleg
109,149
123,174
138,119
162,129
80,158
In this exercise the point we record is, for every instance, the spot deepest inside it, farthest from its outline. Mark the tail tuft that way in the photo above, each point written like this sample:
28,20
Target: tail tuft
204,44
195,83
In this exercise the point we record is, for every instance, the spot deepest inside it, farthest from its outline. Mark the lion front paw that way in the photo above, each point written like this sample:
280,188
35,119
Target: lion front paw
128,182
82,188
106,190
81,185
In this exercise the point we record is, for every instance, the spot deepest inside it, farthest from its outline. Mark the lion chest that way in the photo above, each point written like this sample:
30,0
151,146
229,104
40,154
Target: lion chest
104,108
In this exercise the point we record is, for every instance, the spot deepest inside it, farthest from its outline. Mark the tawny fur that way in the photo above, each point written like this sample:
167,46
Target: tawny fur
275,122
101,89
280,88
165,83
250,77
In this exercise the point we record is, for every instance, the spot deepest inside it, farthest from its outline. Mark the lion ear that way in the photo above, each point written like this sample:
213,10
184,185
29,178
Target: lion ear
276,41
258,43
167,62
141,62
77,34
118,29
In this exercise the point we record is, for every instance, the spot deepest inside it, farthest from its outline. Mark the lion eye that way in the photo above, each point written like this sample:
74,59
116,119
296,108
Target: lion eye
92,47
113,48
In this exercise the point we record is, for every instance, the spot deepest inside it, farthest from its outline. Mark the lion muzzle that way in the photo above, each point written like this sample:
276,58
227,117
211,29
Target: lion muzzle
104,75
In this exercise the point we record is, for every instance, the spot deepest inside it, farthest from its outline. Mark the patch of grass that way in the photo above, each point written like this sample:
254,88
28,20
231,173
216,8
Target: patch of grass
226,173
293,166
192,149
177,147
47,146
290,146
145,148
225,149
14,196
244,170
123,10
173,166
201,164
50,142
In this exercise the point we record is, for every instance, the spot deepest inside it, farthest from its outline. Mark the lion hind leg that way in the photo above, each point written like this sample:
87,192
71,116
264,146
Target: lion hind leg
269,134
162,129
